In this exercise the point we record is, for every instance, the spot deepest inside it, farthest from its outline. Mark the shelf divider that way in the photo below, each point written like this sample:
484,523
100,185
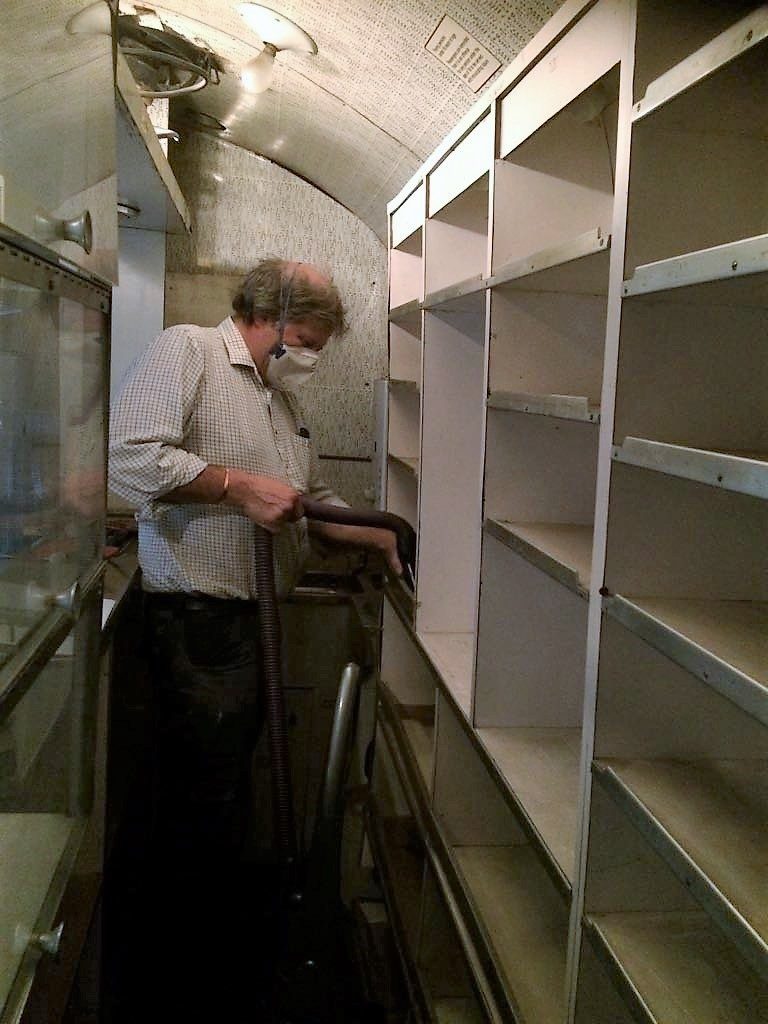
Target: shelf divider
743,472
750,31
707,820
723,643
453,655
562,550
570,258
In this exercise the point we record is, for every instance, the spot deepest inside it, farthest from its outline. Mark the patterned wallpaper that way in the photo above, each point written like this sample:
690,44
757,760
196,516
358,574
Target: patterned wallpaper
245,208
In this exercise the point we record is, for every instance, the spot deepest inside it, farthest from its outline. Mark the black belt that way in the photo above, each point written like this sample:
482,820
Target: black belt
197,601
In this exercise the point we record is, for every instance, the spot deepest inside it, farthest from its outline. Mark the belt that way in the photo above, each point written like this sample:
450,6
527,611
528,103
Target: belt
196,601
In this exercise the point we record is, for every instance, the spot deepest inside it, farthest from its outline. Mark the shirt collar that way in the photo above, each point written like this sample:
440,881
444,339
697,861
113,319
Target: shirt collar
234,342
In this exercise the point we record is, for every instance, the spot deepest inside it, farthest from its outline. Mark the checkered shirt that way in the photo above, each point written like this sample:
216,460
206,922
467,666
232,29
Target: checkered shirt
192,399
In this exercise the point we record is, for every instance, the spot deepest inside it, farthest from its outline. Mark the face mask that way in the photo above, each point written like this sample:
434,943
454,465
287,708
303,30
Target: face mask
290,367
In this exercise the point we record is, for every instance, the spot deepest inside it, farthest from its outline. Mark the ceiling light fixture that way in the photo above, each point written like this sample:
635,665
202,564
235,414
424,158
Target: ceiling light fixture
277,33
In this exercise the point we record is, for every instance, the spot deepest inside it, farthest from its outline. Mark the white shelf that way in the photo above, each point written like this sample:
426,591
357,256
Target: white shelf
467,296
145,178
421,739
453,655
744,472
729,45
541,769
676,968
723,643
578,265
564,407
526,924
745,257
411,465
407,315
707,820
562,550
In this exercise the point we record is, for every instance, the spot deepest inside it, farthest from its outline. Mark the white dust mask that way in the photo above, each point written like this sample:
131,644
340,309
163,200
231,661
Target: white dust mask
289,367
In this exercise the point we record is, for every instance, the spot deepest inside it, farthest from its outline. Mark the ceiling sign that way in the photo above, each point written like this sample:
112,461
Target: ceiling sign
456,48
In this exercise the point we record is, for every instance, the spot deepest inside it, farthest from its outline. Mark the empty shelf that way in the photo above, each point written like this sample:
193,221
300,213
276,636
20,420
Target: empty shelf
526,924
541,768
564,407
421,739
465,297
744,472
724,643
562,550
407,315
396,847
453,655
406,462
707,819
706,61
677,968
578,265
721,262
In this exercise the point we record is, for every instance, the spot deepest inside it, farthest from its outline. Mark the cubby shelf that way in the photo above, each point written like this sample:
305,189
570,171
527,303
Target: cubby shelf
525,923
405,385
563,407
745,472
453,655
675,967
727,46
746,258
562,550
707,820
406,462
540,767
417,727
723,643
466,296
408,315
579,265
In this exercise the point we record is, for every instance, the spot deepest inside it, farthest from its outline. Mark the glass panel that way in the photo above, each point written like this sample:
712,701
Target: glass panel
40,806
51,451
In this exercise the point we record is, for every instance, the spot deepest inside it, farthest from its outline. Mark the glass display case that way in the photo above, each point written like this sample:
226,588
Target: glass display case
53,369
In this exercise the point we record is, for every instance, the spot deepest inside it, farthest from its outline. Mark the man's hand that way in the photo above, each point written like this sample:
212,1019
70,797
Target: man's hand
269,502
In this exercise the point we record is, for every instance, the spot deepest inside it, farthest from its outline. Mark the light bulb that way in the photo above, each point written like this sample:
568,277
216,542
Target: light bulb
256,75
96,20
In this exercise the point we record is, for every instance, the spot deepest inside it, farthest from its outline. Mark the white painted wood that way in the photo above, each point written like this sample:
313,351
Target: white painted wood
451,473
471,809
564,407
745,472
402,667
457,239
404,423
539,469
564,257
556,187
547,343
526,922
406,275
650,707
531,645
441,960
675,538
421,739
408,218
470,160
137,301
404,353
563,550
708,138
685,970
403,490
593,46
541,767
597,999
692,370
453,655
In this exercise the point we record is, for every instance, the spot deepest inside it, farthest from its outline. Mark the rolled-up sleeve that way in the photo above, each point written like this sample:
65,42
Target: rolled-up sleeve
147,423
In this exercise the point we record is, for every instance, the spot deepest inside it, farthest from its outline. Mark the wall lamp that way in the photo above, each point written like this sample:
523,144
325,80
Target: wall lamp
277,33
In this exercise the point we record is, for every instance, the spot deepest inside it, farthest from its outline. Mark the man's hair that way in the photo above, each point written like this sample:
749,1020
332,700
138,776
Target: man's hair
271,284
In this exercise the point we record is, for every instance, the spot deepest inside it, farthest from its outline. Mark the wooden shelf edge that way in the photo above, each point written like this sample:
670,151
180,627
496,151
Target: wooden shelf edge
736,686
411,465
724,914
564,407
741,258
133,104
538,557
707,60
443,298
739,474
590,243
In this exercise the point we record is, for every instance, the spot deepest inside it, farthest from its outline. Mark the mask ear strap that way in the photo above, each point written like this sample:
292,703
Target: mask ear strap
286,287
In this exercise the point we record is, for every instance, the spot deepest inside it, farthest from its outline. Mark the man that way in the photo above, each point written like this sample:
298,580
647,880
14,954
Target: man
207,439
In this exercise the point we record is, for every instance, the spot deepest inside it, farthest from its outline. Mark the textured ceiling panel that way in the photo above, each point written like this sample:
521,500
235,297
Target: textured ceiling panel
359,117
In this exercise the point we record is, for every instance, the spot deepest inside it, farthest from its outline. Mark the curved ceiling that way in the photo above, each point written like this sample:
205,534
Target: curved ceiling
358,118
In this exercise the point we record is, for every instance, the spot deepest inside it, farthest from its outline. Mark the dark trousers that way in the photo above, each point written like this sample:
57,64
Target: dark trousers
208,712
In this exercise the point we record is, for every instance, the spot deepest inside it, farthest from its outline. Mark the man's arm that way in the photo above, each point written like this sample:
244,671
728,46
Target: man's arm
265,500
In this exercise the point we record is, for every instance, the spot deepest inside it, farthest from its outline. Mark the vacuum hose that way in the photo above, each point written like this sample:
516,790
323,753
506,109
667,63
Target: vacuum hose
269,625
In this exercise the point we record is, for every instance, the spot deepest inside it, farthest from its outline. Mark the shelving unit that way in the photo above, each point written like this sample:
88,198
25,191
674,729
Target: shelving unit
590,623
